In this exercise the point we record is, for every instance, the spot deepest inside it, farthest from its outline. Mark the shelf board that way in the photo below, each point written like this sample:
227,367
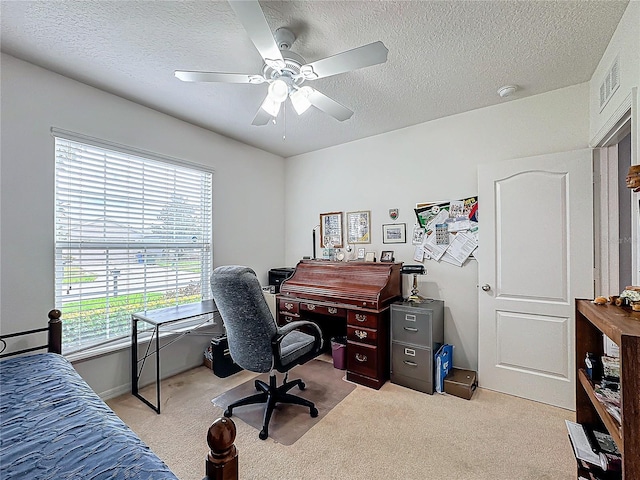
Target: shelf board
613,321
612,425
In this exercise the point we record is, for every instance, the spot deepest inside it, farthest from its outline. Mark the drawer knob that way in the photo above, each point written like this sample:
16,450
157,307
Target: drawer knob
360,317
288,306
360,357
332,310
361,334
311,306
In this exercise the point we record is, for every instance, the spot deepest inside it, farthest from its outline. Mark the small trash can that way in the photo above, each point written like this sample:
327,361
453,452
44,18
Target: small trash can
339,352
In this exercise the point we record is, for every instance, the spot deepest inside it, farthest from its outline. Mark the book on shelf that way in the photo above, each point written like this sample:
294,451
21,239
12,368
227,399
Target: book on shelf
594,448
608,394
602,442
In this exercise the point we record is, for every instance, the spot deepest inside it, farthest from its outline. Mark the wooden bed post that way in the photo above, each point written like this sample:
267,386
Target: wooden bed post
222,461
55,332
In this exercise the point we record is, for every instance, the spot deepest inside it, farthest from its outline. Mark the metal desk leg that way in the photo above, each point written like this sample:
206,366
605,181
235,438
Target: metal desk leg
134,356
135,374
158,367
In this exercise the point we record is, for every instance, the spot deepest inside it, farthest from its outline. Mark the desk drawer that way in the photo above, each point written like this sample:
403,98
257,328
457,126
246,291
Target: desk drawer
362,335
322,309
288,307
362,359
411,326
362,319
412,362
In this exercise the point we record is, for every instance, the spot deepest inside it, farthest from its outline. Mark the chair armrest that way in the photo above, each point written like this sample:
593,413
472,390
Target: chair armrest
287,329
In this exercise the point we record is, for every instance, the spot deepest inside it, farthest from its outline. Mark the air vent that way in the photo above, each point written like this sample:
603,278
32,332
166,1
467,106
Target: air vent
610,84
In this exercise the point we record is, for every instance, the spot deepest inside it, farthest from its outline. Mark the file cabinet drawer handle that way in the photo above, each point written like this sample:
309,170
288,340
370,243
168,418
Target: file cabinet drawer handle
411,364
361,358
410,329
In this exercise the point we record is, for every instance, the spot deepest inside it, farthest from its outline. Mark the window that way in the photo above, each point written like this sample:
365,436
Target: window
133,232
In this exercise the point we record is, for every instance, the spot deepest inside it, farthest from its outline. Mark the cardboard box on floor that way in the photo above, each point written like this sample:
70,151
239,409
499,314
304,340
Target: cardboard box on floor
461,383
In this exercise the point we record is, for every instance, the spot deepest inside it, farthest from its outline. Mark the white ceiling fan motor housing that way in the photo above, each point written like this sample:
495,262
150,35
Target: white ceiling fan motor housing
284,38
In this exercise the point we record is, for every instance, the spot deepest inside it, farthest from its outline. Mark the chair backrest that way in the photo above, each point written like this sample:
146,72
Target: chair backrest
246,316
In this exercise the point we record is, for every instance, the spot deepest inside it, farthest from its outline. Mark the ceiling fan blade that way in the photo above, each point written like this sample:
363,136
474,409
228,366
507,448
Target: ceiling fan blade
187,76
329,106
254,22
261,118
365,56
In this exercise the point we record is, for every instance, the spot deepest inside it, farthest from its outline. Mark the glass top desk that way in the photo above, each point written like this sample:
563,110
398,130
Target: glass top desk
156,319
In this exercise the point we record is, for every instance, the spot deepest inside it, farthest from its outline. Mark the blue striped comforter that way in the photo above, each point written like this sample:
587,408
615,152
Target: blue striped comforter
53,426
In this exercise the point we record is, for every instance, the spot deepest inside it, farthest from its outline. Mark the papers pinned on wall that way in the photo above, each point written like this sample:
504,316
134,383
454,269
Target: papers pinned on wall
446,231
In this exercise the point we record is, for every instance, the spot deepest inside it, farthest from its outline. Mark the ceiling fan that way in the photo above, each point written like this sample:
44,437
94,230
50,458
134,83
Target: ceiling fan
286,71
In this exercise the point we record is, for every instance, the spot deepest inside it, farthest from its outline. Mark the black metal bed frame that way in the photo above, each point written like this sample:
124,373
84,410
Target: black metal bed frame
54,338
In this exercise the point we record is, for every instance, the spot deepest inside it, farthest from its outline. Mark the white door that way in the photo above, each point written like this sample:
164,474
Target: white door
535,257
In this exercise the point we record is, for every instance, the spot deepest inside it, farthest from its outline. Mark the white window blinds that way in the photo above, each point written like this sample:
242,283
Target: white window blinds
132,234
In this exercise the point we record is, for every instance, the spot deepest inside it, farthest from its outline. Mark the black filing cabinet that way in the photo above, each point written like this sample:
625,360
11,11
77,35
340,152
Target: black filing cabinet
417,331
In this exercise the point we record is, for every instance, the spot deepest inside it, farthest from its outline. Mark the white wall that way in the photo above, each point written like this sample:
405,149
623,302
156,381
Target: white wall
32,101
433,161
624,44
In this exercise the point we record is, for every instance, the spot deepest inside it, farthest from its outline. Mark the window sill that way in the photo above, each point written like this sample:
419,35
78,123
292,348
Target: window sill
209,328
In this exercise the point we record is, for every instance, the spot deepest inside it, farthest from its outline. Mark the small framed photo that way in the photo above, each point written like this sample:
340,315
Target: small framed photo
370,257
361,253
394,233
386,256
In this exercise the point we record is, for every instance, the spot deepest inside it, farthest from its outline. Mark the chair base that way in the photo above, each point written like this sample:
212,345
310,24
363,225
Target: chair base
271,394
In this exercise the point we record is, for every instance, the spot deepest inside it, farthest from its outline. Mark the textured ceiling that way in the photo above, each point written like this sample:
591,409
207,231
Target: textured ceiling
445,57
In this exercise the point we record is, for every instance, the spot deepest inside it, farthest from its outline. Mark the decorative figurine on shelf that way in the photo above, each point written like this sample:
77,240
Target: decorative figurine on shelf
632,296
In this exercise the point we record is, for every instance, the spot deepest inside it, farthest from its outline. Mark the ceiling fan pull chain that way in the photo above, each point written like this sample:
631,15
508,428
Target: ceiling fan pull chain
284,123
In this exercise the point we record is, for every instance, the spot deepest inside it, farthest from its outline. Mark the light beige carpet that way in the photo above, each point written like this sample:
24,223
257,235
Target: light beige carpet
324,385
387,434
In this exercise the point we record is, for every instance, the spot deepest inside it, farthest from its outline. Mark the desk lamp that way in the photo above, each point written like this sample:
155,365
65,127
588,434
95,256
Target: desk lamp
414,270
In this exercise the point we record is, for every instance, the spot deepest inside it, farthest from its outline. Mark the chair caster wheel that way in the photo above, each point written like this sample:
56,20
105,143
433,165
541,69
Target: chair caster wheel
302,386
263,434
227,413
314,412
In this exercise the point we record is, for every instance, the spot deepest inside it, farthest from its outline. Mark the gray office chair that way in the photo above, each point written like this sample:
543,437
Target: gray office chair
257,344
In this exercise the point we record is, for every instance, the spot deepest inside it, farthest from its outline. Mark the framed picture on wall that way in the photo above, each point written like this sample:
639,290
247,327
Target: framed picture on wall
394,233
331,230
359,227
386,256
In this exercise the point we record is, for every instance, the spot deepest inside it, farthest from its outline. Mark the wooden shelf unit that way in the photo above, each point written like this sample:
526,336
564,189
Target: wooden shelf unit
623,327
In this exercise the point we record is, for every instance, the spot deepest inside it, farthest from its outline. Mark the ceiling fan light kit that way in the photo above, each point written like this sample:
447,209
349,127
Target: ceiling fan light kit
271,106
300,99
286,71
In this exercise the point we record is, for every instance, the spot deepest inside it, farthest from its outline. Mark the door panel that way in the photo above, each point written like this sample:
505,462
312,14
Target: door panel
535,344
525,200
536,256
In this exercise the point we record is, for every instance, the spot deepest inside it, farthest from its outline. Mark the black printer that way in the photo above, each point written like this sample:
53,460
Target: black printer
279,275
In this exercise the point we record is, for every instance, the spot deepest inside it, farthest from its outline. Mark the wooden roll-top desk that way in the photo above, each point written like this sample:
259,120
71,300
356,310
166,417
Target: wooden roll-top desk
355,295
